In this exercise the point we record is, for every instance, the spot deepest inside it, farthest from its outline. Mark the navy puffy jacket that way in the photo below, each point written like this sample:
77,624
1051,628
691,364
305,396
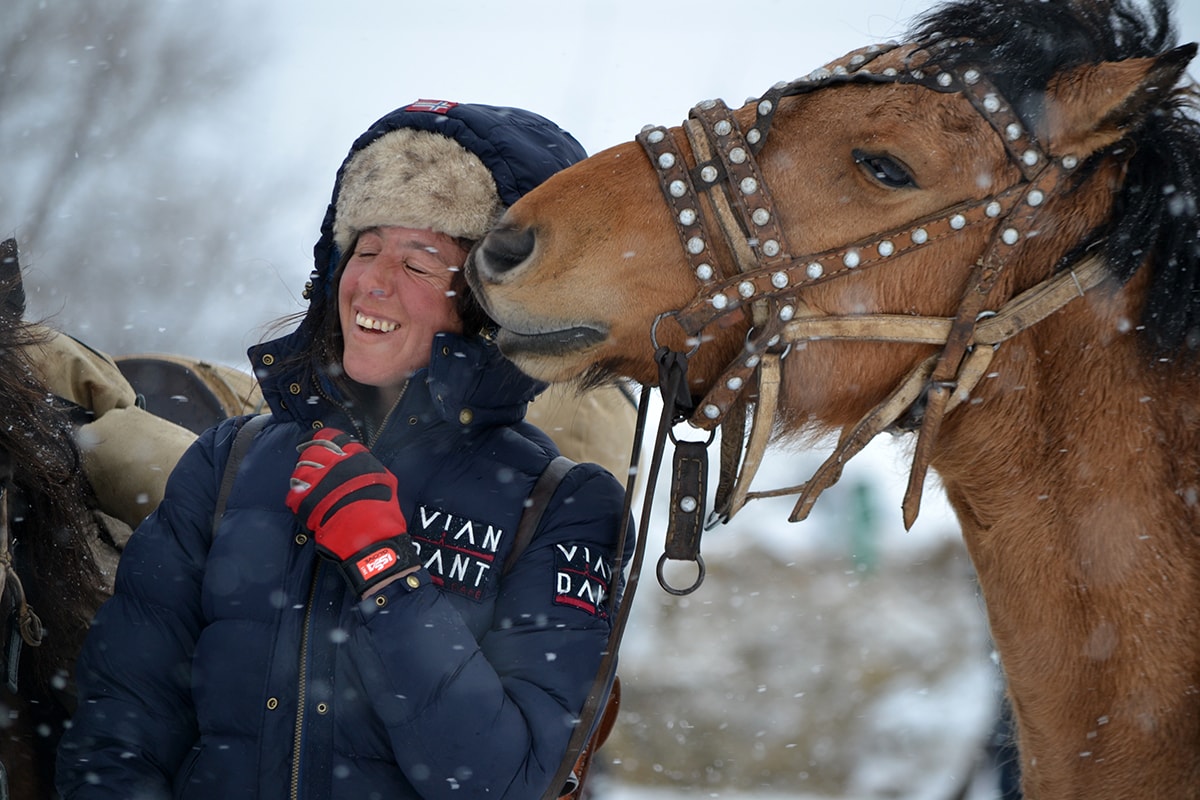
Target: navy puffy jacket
236,663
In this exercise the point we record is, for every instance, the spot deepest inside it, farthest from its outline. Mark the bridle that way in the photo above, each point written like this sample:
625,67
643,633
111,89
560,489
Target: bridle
770,279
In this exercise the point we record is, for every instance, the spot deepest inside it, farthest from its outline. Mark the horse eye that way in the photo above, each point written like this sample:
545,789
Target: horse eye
885,169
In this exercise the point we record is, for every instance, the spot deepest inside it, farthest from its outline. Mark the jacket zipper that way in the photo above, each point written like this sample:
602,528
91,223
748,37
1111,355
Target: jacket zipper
388,416
358,429
302,689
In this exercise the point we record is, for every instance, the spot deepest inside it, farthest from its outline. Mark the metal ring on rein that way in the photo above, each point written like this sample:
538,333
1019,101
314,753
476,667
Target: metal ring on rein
668,588
654,334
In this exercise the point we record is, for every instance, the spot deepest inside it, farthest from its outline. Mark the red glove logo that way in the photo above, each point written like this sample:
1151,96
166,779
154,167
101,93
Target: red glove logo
376,563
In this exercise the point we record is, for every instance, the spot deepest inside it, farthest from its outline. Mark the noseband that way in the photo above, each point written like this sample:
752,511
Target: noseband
770,279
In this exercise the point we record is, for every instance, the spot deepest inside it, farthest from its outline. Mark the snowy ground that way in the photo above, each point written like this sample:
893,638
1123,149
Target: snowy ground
609,791
841,657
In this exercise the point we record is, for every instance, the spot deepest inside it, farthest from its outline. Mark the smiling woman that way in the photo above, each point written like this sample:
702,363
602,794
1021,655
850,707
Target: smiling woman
361,621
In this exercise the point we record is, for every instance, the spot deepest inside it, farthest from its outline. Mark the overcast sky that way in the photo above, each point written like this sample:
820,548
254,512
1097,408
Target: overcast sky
600,68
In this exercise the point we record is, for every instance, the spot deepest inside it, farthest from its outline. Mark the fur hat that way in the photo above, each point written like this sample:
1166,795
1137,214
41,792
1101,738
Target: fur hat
416,179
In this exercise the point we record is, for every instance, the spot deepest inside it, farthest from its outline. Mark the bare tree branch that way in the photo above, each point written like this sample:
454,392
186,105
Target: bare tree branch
121,212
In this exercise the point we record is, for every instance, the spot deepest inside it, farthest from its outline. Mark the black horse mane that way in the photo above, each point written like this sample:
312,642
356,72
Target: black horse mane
1022,45
51,518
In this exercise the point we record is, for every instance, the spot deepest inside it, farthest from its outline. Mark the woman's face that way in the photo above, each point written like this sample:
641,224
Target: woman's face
393,297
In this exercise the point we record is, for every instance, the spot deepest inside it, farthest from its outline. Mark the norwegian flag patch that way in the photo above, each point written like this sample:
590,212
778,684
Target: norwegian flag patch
432,106
582,578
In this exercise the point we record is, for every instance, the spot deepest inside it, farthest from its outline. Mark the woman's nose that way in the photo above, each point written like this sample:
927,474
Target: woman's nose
378,278
375,283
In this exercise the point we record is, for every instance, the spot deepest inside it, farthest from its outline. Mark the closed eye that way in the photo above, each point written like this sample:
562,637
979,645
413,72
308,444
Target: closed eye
886,170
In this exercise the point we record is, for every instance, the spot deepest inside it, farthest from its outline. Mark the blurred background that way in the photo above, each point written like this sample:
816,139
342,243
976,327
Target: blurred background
167,165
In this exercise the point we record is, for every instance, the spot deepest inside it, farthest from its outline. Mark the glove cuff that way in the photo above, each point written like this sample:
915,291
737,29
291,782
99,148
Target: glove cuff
379,561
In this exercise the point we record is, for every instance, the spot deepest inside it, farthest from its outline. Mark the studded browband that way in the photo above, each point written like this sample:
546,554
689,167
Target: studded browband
769,279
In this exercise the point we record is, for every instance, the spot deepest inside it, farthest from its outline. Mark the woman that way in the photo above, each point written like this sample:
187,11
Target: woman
343,630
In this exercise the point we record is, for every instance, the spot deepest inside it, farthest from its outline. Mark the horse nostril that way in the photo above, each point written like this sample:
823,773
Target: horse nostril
504,249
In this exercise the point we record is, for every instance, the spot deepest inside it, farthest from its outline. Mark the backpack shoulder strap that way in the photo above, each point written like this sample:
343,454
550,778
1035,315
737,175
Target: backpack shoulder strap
539,498
573,771
241,445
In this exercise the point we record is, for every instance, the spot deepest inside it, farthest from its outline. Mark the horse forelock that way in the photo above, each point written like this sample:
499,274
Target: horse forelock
1022,46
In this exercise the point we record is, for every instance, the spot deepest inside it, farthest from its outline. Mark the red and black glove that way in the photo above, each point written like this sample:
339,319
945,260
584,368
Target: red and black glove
347,498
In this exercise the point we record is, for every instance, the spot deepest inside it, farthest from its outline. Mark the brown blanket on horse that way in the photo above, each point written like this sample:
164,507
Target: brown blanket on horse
127,451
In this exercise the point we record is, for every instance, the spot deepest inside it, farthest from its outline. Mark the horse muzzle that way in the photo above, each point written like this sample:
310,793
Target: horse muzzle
526,333
501,255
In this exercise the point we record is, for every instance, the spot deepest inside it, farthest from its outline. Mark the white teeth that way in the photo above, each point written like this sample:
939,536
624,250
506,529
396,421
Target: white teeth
363,321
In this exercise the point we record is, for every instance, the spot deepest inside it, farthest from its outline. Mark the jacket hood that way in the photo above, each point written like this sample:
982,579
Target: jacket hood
519,149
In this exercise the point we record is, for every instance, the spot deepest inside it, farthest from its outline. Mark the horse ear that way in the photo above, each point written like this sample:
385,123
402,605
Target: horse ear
1092,107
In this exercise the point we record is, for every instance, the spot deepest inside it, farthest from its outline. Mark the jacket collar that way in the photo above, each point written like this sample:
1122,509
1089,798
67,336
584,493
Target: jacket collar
468,383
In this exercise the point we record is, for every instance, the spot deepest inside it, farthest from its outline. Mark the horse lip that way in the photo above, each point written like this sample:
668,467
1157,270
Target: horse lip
543,343
556,342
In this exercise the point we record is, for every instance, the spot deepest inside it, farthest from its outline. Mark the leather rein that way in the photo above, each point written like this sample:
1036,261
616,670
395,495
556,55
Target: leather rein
28,626
769,281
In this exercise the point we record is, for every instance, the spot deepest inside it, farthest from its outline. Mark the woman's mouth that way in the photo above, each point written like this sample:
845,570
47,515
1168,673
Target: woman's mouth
373,324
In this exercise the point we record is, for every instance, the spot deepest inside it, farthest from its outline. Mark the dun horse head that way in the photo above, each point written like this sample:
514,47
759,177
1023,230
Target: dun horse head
987,234
864,152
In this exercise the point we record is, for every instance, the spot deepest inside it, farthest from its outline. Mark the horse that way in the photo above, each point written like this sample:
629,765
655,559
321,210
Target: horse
983,237
52,583
71,490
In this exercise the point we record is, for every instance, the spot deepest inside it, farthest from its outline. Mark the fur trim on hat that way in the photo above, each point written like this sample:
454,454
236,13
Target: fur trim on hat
416,179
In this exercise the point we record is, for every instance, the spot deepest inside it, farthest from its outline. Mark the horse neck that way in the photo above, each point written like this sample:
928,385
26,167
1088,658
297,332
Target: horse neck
1074,408
1075,475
